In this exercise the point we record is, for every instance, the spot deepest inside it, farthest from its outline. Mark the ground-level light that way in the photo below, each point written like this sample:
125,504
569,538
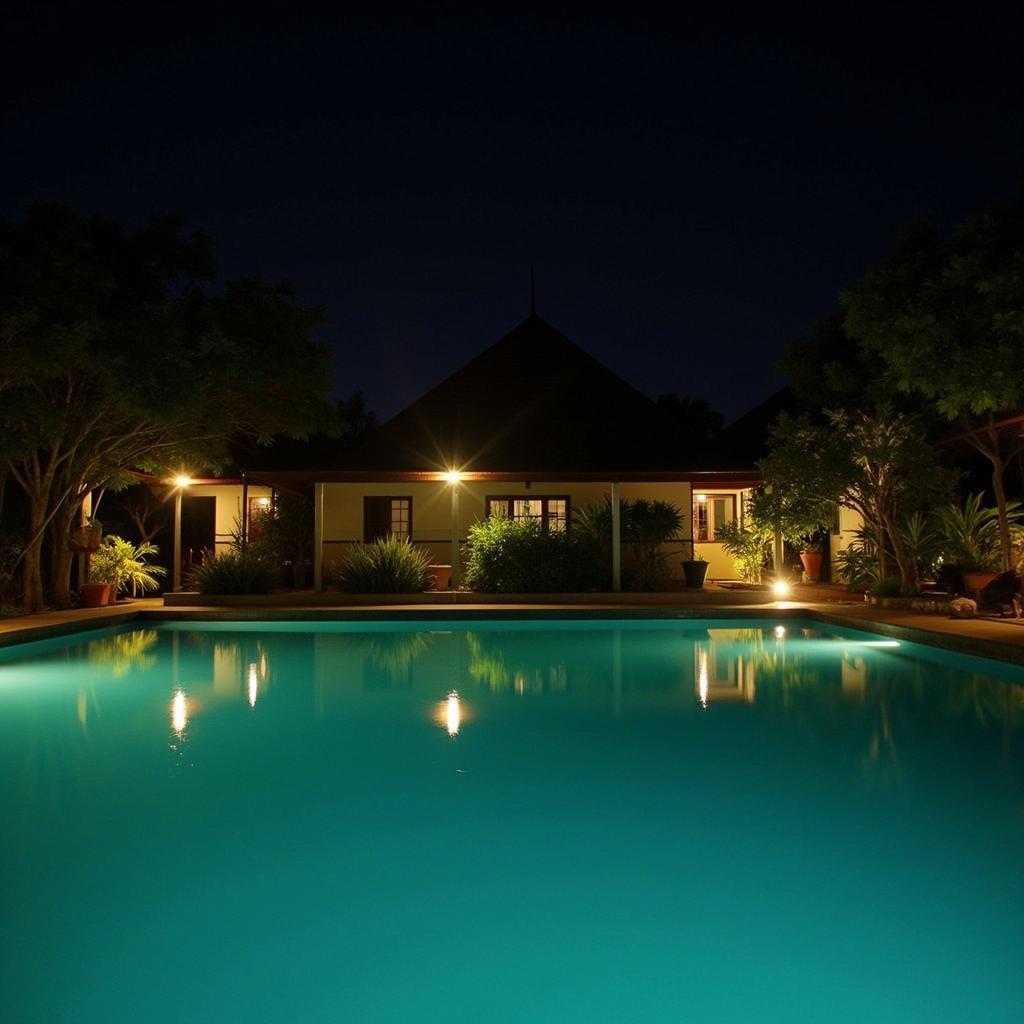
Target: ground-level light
780,588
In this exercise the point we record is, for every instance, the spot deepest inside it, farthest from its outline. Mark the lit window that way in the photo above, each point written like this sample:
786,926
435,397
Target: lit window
710,512
387,516
551,513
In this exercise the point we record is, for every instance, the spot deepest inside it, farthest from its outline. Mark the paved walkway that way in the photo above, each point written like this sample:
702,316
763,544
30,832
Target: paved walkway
1001,640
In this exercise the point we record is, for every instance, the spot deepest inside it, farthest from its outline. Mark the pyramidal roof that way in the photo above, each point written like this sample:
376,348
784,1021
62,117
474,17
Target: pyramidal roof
532,402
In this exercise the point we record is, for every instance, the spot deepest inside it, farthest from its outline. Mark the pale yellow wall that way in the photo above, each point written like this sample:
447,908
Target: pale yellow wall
229,507
431,509
849,523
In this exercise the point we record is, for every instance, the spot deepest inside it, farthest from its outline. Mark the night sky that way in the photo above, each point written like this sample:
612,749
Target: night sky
692,195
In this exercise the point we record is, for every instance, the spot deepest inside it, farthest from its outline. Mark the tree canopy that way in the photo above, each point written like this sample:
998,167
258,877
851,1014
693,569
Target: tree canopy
119,353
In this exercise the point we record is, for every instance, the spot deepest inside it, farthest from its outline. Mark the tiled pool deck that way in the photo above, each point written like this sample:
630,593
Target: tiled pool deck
1003,641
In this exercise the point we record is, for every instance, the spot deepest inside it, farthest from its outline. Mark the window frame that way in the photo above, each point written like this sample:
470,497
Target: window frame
545,516
711,497
390,498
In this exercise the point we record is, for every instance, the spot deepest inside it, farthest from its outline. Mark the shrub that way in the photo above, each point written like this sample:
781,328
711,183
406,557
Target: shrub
645,526
236,571
389,565
509,557
748,548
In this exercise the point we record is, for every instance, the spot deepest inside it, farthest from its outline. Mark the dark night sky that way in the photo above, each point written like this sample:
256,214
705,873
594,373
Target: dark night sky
692,194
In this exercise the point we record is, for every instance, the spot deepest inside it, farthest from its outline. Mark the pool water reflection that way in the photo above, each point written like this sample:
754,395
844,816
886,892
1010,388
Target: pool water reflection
592,821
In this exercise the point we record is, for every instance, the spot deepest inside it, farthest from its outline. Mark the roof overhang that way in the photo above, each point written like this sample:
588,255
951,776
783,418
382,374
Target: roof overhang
705,478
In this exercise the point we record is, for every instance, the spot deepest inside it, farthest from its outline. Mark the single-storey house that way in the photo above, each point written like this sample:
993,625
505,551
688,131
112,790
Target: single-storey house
533,427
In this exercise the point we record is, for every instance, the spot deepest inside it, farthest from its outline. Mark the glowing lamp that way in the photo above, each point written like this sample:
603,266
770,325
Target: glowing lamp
702,497
453,476
182,481
780,588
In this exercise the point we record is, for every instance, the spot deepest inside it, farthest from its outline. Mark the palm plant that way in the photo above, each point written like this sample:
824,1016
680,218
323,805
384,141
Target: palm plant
123,565
970,533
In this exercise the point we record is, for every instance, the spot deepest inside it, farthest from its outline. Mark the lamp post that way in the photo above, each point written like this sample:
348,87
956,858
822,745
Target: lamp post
181,481
453,476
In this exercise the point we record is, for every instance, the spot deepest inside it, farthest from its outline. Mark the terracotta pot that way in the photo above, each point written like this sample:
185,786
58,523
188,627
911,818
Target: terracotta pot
977,581
442,576
94,595
812,564
112,599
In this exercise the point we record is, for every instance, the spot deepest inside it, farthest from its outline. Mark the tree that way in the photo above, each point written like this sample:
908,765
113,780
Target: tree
944,317
116,356
878,463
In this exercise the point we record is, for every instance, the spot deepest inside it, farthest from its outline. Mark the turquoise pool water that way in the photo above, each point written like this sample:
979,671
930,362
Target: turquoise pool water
498,822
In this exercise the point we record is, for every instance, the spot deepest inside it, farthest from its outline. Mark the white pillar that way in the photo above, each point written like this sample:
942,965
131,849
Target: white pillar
777,555
456,568
83,558
318,537
616,536
176,571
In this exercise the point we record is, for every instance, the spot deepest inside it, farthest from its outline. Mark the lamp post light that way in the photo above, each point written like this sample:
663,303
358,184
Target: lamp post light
453,476
181,481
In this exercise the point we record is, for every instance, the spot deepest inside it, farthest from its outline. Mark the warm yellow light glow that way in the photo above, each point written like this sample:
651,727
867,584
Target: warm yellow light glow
253,685
702,680
780,632
453,476
780,588
702,497
263,502
181,480
179,712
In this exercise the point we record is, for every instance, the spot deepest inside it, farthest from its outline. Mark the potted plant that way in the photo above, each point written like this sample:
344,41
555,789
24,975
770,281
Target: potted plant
811,556
119,565
970,539
695,570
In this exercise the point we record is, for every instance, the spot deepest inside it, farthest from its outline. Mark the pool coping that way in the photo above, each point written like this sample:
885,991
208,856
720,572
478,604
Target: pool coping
952,637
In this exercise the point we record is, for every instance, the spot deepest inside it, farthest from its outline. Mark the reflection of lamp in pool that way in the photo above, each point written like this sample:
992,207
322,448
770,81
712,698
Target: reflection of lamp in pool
780,632
252,684
449,713
702,680
179,712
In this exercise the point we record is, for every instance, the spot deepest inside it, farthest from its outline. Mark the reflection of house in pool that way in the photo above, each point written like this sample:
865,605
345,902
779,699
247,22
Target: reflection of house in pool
724,666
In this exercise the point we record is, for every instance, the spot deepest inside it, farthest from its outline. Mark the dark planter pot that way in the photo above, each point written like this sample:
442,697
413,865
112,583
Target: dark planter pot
94,595
812,564
695,573
112,599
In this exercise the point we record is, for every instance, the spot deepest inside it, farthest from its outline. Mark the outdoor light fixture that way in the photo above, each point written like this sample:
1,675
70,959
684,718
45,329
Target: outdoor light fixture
780,588
702,497
182,481
453,476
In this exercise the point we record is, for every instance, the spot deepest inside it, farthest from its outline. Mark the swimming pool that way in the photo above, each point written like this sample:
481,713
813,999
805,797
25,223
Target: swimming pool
509,821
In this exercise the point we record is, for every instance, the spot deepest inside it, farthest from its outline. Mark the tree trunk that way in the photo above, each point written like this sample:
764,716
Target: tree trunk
31,560
999,488
61,555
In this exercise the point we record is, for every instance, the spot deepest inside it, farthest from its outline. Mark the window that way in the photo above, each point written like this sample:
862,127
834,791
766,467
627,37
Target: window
552,513
387,517
710,511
